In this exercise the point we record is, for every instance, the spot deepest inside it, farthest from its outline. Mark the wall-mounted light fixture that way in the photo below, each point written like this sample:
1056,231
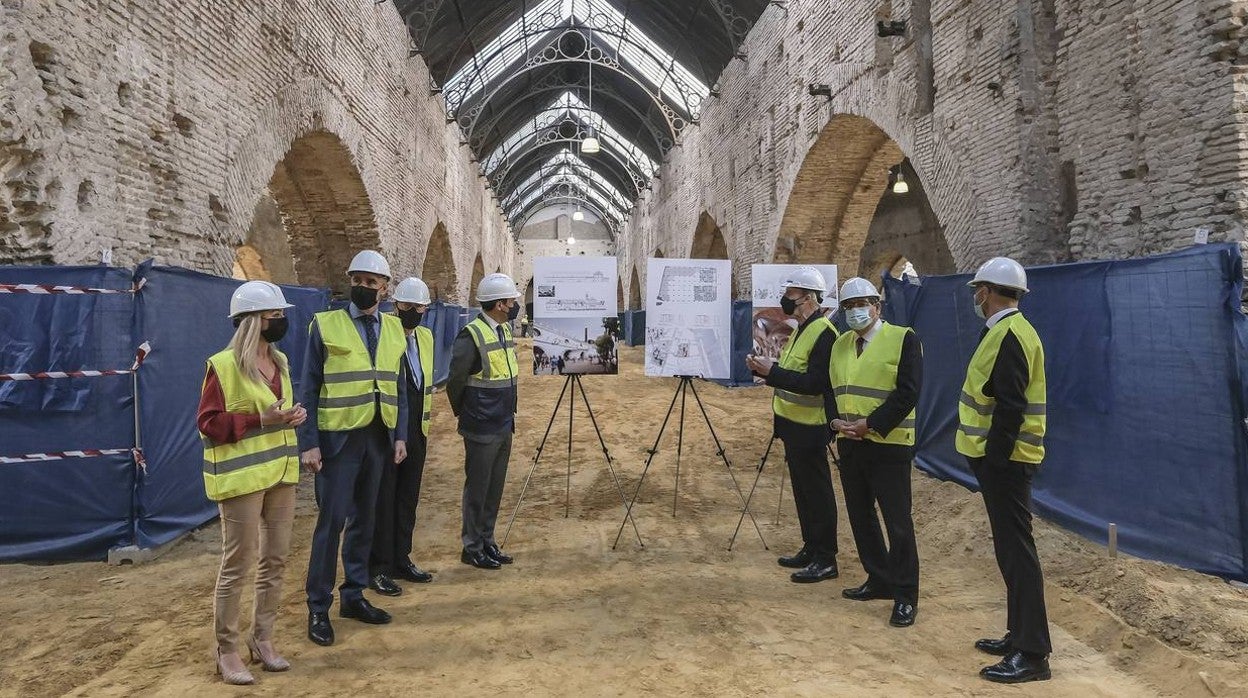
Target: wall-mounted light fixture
819,90
895,27
571,240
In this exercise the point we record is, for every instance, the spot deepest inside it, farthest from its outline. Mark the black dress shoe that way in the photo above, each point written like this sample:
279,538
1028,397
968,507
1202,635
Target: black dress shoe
319,629
364,612
412,573
991,645
1018,668
479,559
816,571
868,592
798,561
502,558
903,614
384,585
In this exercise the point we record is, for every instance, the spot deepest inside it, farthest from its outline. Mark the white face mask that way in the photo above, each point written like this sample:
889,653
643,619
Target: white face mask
858,318
979,307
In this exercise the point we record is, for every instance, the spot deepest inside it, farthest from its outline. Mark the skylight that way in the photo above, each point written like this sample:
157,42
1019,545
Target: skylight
607,25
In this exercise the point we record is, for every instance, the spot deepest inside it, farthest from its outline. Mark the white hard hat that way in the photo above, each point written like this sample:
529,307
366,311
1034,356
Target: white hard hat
371,262
497,286
412,290
1001,271
255,296
806,277
858,287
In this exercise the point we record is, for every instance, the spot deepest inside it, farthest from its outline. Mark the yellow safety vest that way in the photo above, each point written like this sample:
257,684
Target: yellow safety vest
352,382
263,457
975,408
424,345
499,366
863,383
795,356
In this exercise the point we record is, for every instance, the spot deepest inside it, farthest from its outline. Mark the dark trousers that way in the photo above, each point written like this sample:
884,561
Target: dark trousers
813,493
1007,496
396,505
485,473
871,474
346,492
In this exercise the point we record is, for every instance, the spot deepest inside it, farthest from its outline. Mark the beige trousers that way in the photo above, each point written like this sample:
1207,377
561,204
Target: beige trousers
256,524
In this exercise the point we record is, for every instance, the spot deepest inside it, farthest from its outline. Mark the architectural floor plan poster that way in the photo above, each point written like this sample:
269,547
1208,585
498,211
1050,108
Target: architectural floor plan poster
576,325
771,327
689,317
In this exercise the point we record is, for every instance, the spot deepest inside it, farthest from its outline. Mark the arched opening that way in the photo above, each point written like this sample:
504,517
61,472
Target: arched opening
634,292
847,193
439,267
709,243
905,237
314,218
478,273
619,292
528,299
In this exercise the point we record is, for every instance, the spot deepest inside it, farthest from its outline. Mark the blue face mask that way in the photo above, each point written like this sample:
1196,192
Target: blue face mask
858,318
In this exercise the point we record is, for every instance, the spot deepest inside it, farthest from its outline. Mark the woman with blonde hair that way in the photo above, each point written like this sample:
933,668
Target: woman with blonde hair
251,466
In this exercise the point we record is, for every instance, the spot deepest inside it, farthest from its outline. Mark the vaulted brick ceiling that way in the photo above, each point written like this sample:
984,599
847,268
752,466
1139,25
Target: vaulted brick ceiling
528,80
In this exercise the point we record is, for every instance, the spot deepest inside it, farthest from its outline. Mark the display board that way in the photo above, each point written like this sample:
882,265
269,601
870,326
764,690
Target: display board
689,317
576,325
770,327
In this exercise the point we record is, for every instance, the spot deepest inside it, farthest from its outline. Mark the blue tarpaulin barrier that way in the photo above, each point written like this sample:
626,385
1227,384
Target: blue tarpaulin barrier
634,327
1145,362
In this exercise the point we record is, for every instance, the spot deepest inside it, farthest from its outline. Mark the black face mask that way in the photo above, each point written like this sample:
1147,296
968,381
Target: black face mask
410,317
276,329
788,305
363,297
514,312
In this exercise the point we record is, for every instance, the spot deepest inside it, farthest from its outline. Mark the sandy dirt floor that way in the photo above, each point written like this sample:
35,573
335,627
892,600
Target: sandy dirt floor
680,616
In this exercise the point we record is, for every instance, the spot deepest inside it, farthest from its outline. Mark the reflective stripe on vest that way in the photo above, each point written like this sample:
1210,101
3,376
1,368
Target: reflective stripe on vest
353,384
499,366
424,347
863,383
263,457
795,356
975,408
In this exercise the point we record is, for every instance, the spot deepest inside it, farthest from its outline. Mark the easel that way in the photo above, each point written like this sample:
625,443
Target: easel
682,390
780,502
573,380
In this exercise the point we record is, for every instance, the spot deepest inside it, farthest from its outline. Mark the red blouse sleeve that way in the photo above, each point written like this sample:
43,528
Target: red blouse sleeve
214,421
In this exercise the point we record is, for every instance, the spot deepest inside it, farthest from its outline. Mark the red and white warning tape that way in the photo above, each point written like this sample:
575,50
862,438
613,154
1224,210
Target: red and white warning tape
61,455
47,289
141,354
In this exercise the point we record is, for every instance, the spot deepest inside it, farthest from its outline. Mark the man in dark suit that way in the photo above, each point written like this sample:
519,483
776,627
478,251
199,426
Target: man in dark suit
1002,421
876,371
355,413
399,492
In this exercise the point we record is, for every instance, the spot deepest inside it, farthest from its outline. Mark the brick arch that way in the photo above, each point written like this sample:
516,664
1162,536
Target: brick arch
305,136
634,292
478,273
709,243
438,269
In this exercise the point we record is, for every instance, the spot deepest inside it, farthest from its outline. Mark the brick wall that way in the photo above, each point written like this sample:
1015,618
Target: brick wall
156,128
1049,130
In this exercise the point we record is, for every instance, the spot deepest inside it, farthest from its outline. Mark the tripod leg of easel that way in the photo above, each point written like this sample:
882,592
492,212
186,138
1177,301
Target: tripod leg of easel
780,501
680,438
649,459
724,457
606,454
537,456
761,464
567,490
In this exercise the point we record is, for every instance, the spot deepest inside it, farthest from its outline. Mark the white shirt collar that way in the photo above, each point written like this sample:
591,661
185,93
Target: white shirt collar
996,317
490,321
870,335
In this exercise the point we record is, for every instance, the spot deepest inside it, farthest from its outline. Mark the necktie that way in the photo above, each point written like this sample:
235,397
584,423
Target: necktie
370,335
862,342
413,362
